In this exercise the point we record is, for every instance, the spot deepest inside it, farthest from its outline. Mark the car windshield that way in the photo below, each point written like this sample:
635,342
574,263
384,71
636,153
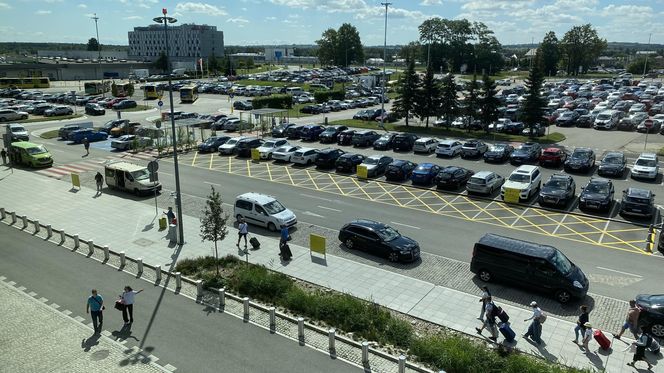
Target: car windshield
476,180
232,142
36,150
388,234
330,130
470,145
141,174
274,207
603,117
646,162
561,263
520,178
580,155
211,140
597,188
613,160
269,144
640,200
385,137
17,129
556,183
497,148
424,167
371,161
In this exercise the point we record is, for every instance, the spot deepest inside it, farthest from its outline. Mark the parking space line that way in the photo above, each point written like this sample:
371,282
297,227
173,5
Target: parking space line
519,217
229,164
484,210
614,270
248,168
193,160
211,158
451,204
418,198
290,177
269,171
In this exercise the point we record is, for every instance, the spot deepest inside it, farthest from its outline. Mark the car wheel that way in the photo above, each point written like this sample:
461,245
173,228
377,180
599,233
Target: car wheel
3,119
393,257
485,275
563,296
657,330
24,117
271,227
349,243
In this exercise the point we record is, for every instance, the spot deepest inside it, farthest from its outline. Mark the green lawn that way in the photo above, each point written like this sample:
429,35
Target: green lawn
138,108
661,152
449,132
49,135
50,119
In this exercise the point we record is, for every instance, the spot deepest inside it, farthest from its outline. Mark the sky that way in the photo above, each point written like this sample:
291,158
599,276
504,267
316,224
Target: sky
277,22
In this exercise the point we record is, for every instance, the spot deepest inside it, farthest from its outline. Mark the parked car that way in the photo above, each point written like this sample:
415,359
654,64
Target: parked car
399,170
304,156
385,141
498,153
211,144
9,115
18,132
597,195
448,148
612,164
311,132
453,177
526,179
552,157
581,160
41,109
345,137
281,129
269,146
425,145
484,182
473,148
331,134
558,190
379,239
57,111
237,125
327,158
125,104
638,202
229,147
404,141
284,153
528,152
127,142
652,313
424,174
108,126
348,162
124,128
244,146
77,136
293,132
94,109
376,164
364,138
243,105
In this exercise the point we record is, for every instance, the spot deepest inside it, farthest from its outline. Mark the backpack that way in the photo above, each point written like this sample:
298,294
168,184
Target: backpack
542,317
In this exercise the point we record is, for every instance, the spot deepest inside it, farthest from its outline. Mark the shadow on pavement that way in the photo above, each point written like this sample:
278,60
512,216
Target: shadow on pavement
90,342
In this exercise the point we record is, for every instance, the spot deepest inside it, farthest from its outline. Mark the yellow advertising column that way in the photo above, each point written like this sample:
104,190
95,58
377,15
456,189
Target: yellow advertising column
511,195
255,155
316,244
362,172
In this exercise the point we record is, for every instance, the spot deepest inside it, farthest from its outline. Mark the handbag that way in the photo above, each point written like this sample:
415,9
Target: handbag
119,305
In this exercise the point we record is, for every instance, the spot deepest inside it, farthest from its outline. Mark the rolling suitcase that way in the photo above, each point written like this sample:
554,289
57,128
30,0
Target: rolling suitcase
503,316
254,243
507,332
601,339
285,252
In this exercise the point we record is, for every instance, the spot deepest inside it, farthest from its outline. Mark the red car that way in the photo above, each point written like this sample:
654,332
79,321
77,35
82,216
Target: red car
552,157
114,101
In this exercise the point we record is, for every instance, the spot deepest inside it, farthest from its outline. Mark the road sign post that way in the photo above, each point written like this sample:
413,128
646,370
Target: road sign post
648,123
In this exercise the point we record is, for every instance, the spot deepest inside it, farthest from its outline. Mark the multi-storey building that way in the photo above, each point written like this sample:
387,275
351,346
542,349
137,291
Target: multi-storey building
187,42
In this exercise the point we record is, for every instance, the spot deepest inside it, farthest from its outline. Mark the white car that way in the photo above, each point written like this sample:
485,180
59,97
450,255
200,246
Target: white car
425,145
499,125
304,156
230,146
646,166
284,153
448,148
637,108
269,146
9,114
526,179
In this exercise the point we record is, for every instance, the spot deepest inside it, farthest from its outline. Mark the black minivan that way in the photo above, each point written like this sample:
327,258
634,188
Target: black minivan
527,264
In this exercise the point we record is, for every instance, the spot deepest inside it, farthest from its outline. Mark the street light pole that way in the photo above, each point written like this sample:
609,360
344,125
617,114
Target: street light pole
103,91
178,196
382,99
645,65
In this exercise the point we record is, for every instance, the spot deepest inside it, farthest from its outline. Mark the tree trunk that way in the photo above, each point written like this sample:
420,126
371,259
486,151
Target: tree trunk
216,257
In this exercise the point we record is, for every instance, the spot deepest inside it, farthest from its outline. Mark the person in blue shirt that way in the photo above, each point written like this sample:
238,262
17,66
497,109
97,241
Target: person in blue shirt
285,235
95,307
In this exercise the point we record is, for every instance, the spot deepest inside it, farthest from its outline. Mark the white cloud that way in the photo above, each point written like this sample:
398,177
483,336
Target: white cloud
5,6
132,18
82,6
270,18
53,1
200,8
621,10
43,12
238,21
430,2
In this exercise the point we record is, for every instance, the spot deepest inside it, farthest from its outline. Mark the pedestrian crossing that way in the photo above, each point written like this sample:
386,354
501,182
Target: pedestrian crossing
58,171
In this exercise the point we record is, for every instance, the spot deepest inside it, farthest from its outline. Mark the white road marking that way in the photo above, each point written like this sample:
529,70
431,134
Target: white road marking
313,214
328,208
624,273
404,225
316,197
606,226
207,182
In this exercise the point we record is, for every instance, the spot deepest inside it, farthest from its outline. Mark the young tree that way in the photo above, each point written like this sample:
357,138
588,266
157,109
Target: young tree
550,52
489,103
449,107
427,102
162,62
93,45
471,102
404,104
213,222
533,107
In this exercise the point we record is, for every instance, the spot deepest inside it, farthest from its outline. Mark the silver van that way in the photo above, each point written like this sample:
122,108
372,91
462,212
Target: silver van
130,177
263,210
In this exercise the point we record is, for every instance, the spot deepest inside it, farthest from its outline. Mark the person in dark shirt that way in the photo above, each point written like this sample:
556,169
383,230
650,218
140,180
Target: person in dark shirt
580,324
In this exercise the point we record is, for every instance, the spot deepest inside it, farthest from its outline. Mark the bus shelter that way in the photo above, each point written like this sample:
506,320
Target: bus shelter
266,119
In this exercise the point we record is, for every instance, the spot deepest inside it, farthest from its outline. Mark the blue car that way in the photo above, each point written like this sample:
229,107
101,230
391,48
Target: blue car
92,135
425,173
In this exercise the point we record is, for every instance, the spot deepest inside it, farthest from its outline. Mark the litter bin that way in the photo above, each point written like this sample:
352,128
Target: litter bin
162,223
172,233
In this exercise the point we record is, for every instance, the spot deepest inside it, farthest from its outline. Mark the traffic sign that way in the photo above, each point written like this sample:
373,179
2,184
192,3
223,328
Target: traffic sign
231,95
153,166
648,123
160,103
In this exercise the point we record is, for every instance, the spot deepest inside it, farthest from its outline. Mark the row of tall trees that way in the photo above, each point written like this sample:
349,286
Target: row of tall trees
575,53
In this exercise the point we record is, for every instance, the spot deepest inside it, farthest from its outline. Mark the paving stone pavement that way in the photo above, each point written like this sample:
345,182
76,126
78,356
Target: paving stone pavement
132,227
34,335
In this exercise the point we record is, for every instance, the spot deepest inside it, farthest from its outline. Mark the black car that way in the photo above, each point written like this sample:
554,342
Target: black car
41,109
348,162
364,138
327,158
243,105
652,313
514,128
558,190
379,239
404,141
399,170
612,164
293,132
376,164
581,160
384,142
527,153
280,130
244,146
584,121
212,144
453,177
311,109
360,114
498,153
311,132
597,195
345,137
126,104
331,134
93,109
637,202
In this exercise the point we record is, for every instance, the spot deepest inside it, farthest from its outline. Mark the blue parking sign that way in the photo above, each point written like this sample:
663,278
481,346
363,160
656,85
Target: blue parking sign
160,103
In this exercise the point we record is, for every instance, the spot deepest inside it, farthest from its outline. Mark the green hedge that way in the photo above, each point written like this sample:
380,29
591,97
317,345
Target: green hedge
273,101
323,96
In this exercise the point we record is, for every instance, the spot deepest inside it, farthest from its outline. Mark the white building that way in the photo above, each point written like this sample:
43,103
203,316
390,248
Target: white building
187,42
278,54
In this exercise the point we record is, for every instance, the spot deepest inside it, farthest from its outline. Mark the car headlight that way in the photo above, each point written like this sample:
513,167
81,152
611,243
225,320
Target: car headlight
582,199
404,252
577,285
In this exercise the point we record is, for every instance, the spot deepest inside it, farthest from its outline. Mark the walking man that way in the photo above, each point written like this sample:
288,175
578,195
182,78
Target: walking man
640,354
486,295
490,321
535,328
243,230
3,153
86,144
128,300
100,181
285,235
580,324
631,321
95,307
170,215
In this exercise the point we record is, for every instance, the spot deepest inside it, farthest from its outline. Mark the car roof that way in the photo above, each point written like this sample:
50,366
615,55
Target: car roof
517,246
552,149
620,154
426,165
424,139
447,142
583,150
483,174
363,132
599,180
256,197
561,177
328,150
525,168
305,149
648,156
368,223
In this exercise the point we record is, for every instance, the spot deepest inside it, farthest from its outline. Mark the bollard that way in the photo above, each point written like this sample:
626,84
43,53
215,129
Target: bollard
300,329
49,231
13,217
25,221
273,318
331,336
199,288
37,226
222,298
123,259
178,280
91,247
2,213
139,265
76,241
63,236
157,272
365,353
402,364
245,300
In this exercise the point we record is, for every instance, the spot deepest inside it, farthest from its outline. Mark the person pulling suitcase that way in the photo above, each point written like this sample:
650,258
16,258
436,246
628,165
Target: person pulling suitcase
284,250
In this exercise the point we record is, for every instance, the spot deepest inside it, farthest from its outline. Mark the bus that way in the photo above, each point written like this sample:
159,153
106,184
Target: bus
151,91
188,94
32,82
123,90
97,88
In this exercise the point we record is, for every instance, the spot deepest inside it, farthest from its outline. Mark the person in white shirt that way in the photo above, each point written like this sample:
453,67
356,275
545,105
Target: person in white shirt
587,335
128,300
535,328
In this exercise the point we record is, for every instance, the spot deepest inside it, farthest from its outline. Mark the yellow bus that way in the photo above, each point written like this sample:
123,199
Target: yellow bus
33,82
97,88
151,91
188,94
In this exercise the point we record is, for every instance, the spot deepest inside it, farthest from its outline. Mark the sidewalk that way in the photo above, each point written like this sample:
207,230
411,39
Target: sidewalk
125,225
31,335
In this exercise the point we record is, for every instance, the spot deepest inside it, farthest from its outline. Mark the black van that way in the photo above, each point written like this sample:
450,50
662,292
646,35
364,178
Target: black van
531,265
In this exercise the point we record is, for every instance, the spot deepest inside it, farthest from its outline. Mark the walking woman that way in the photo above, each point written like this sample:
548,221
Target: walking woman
128,300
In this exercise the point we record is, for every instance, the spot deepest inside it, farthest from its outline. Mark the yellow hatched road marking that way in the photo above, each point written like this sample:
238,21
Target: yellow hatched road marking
362,189
290,177
337,185
312,179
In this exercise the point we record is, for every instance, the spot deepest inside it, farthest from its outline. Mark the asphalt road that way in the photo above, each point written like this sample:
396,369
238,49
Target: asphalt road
175,329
